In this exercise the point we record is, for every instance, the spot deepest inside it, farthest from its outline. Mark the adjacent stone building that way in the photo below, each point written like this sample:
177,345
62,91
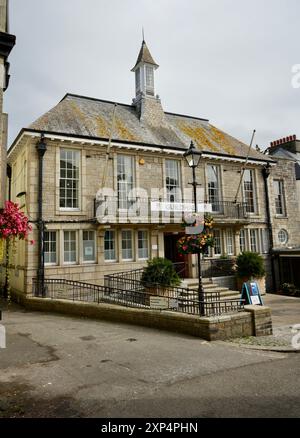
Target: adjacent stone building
7,42
115,185
285,193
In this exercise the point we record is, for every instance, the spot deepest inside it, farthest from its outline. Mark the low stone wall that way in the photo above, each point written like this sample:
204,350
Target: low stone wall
261,320
241,324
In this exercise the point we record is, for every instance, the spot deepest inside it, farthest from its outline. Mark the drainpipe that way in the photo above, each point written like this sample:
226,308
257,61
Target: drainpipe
5,289
9,173
266,173
41,148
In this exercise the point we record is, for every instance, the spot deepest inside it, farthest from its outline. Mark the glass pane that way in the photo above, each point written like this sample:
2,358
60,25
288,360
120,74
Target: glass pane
88,246
69,178
142,244
125,178
109,245
213,177
127,245
173,185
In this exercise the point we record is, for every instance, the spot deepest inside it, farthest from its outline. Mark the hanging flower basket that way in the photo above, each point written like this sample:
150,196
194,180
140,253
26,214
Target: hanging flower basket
13,226
197,243
13,222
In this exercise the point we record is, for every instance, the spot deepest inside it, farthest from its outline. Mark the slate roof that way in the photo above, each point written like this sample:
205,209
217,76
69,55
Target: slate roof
83,116
145,56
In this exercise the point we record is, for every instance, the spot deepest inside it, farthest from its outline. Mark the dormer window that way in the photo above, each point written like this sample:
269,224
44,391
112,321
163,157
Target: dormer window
149,80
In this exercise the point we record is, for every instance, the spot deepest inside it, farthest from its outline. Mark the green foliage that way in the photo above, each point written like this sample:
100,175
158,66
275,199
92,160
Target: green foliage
250,265
290,290
224,257
160,271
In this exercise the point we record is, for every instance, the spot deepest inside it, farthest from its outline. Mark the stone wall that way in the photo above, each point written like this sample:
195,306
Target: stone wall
255,321
149,174
285,170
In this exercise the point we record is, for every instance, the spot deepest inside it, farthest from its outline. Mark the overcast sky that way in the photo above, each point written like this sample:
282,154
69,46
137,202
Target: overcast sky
226,60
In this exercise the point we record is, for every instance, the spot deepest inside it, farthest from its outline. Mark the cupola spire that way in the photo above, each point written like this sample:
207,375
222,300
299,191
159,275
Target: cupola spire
144,72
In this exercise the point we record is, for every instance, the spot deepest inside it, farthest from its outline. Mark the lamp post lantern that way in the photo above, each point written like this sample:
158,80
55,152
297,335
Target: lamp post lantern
193,156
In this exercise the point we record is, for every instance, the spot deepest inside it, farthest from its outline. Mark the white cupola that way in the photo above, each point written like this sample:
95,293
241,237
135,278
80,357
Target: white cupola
144,73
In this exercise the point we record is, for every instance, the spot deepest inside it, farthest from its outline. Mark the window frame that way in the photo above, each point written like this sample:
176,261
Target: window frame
230,236
243,232
149,84
168,174
138,240
79,155
94,245
281,196
254,192
138,80
76,248
124,259
218,230
217,189
254,232
114,240
51,252
285,232
125,204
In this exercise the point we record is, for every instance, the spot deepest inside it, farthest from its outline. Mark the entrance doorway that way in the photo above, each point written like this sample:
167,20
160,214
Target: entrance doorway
171,253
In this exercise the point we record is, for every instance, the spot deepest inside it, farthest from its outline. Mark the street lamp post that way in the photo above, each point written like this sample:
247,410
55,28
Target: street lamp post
193,156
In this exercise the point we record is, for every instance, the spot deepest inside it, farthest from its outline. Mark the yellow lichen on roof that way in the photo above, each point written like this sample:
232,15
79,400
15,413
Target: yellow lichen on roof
102,130
41,121
221,139
123,131
80,116
198,135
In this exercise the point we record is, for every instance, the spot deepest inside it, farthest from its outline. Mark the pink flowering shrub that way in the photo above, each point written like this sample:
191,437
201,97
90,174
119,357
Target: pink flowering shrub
13,222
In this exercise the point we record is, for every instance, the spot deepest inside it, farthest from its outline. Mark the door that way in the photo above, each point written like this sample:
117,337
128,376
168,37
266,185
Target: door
171,253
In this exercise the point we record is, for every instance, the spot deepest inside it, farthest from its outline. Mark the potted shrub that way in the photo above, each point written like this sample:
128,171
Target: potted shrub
250,267
158,276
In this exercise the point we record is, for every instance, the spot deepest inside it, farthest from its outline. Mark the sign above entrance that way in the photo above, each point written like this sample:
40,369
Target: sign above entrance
180,207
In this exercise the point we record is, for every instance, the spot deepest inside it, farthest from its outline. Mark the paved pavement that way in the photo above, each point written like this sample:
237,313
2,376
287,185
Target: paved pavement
285,310
58,366
285,316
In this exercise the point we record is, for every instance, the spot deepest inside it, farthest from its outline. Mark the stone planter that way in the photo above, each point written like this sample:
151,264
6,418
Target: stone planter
156,291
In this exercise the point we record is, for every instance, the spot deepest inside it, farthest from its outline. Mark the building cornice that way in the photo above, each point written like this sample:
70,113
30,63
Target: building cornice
145,147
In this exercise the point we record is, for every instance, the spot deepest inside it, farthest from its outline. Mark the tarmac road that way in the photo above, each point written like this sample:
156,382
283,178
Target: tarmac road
58,366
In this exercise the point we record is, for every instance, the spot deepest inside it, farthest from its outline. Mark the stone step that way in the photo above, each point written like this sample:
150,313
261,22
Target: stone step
209,288
223,294
215,288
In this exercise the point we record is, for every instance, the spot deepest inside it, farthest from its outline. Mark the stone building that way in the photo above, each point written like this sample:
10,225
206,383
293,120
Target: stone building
285,191
134,152
7,42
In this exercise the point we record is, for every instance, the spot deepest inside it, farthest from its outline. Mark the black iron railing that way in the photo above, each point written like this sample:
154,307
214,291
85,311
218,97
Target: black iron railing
152,210
150,297
229,209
